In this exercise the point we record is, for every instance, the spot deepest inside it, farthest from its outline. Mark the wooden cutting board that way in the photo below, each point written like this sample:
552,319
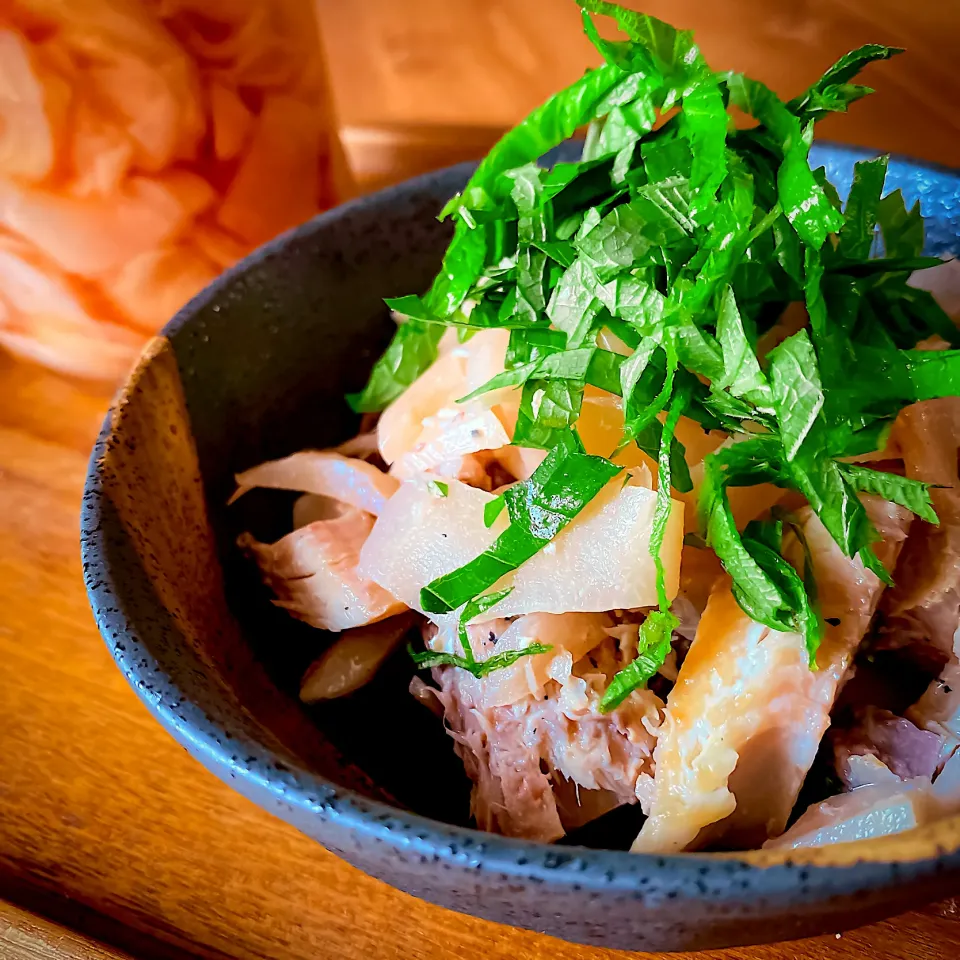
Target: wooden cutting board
113,842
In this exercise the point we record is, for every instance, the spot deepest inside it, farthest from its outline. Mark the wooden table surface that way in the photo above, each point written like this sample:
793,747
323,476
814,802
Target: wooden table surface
113,842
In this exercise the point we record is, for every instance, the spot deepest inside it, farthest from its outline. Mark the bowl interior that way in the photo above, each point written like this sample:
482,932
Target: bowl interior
255,368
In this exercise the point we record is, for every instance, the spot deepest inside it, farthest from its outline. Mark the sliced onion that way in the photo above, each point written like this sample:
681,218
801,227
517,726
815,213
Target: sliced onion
326,474
354,659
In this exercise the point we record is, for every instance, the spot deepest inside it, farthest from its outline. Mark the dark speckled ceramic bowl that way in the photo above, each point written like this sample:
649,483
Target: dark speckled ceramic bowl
256,367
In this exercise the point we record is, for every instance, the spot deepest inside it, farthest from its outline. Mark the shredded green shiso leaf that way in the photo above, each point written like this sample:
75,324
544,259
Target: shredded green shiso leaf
469,662
686,238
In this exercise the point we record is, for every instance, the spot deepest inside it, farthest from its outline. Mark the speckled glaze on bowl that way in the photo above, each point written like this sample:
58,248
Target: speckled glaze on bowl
255,367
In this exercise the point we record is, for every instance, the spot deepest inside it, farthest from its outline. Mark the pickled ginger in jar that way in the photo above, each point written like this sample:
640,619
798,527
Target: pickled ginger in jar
145,145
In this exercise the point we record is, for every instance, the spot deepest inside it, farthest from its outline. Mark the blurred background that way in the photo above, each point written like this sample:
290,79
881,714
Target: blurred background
145,145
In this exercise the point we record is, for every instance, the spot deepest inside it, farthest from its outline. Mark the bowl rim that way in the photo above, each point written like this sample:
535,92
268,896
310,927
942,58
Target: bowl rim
825,871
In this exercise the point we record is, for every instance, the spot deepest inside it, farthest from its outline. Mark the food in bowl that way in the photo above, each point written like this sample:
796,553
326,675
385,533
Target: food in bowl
664,466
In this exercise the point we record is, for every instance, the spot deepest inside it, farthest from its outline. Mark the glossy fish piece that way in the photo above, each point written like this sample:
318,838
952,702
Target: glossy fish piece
923,609
313,572
532,760
746,716
938,710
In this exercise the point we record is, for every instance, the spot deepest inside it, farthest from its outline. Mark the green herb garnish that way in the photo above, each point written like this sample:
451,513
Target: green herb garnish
657,630
687,239
493,509
412,350
566,481
479,668
425,659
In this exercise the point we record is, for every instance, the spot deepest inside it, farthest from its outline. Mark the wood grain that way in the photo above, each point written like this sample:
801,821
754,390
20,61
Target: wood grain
440,63
106,825
25,936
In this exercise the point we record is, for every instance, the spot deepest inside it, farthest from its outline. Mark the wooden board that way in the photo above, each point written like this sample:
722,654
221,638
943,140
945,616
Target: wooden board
107,828
463,70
